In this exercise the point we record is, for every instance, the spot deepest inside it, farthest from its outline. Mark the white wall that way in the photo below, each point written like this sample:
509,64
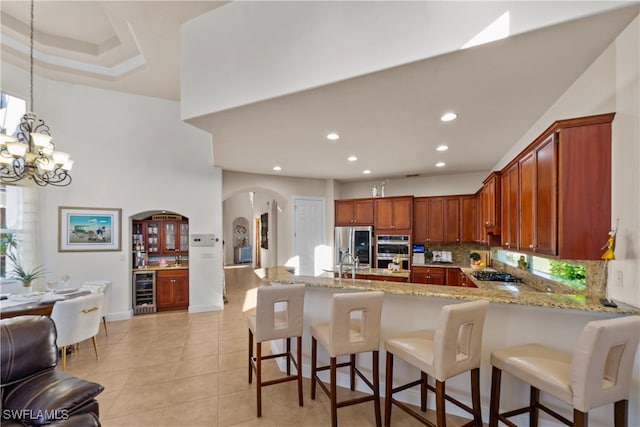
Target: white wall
278,191
442,185
610,84
260,50
131,152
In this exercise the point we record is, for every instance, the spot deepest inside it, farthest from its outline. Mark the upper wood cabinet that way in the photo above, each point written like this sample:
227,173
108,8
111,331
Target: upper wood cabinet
489,210
562,184
161,237
509,204
468,218
436,219
537,190
354,212
393,214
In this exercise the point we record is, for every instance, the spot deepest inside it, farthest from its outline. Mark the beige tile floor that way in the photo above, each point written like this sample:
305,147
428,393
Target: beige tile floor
180,369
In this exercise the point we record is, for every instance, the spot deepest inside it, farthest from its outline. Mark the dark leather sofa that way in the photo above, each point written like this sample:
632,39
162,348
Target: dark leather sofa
33,390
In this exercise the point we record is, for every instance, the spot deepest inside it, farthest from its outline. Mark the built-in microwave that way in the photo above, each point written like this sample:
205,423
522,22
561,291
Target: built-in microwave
390,245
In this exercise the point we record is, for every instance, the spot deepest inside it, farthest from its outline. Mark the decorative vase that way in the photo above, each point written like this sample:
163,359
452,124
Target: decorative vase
26,287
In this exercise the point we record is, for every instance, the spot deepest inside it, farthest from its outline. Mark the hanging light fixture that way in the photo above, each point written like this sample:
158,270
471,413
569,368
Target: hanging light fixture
31,153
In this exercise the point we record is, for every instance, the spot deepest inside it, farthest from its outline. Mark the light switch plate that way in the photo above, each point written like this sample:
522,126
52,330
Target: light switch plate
203,240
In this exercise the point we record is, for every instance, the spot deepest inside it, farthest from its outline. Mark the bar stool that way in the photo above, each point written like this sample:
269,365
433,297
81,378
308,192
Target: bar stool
354,327
598,372
277,315
453,348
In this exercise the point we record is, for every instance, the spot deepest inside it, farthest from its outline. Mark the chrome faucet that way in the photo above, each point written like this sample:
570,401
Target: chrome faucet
355,264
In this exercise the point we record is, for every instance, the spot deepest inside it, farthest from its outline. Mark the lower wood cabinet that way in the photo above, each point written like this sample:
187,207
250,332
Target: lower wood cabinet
428,275
453,276
172,290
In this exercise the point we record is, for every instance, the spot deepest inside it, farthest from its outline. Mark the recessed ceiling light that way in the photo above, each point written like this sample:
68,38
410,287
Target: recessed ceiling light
277,168
440,164
352,158
442,148
366,171
333,136
447,117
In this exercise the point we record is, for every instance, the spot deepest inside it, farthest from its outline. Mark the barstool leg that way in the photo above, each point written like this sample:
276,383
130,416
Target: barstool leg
352,371
314,351
259,377
580,419
250,356
533,407
376,387
620,413
334,393
288,356
475,396
441,414
423,391
388,394
299,370
494,405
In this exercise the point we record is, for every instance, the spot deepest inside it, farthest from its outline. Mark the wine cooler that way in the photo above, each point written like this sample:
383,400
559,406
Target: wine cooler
144,292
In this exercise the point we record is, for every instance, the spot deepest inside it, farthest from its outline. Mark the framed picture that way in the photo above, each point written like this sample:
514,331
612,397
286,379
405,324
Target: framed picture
88,229
264,231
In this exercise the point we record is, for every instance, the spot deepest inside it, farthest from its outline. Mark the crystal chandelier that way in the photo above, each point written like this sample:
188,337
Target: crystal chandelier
31,153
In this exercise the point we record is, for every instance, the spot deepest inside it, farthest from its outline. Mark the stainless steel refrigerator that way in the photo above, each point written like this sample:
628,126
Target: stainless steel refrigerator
358,241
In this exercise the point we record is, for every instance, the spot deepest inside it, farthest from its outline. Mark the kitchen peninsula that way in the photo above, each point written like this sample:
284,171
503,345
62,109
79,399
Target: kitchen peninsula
496,292
517,314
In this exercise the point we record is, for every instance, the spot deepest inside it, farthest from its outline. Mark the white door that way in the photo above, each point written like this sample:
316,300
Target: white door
309,235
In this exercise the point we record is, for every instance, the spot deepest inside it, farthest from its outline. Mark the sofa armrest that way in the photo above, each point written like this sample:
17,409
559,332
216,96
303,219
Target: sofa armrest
48,396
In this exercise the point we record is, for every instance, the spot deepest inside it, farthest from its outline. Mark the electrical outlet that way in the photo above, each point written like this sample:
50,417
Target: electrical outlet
619,283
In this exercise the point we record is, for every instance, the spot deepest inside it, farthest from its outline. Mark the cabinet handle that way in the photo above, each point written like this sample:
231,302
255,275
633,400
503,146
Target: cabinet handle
531,246
506,243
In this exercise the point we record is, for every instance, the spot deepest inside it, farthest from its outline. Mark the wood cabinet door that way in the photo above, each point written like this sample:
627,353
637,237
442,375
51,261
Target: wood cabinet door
526,218
453,277
164,292
509,206
436,220
169,237
468,219
183,236
344,212
181,291
546,214
451,220
421,219
403,213
363,212
383,212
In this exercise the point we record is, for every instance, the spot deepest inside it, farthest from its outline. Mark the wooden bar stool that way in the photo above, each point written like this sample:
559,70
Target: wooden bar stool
453,348
354,327
598,372
278,315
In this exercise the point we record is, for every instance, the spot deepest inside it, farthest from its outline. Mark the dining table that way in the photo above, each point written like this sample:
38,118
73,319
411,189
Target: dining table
36,303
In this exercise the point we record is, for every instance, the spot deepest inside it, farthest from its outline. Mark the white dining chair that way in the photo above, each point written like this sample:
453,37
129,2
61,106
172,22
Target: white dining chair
103,286
76,320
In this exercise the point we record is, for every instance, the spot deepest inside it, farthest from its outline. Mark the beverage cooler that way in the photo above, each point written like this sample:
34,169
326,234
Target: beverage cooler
144,292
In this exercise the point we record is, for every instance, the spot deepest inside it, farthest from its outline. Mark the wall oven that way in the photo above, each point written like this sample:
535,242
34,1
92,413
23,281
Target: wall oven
388,246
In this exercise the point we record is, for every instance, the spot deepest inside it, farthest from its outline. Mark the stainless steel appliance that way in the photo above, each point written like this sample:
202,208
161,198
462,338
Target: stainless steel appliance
496,276
390,245
144,292
358,241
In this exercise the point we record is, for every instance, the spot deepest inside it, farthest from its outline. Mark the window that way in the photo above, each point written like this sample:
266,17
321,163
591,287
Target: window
18,205
566,273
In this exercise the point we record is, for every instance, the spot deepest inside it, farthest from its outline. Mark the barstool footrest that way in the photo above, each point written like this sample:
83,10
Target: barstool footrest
409,410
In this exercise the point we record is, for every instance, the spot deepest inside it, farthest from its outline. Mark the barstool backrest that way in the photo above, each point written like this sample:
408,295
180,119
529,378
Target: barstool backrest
279,311
603,361
354,326
458,338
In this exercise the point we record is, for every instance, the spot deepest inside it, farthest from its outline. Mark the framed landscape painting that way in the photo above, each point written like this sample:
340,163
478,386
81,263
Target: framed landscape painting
88,229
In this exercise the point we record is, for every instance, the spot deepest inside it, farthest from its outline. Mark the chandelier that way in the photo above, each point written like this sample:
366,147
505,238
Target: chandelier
31,153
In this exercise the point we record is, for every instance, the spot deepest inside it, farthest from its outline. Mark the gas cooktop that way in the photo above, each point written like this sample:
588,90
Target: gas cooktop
496,276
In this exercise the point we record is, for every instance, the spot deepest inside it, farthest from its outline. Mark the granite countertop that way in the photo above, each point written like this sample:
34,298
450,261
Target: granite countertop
168,267
497,292
373,272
